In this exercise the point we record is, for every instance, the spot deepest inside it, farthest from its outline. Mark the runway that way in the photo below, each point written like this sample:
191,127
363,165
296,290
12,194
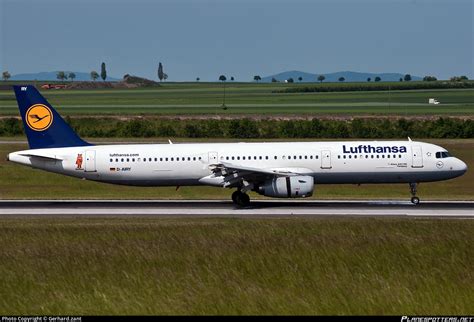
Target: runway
205,208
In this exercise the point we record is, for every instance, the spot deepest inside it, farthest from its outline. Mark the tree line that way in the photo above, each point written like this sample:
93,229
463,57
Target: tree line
350,87
261,129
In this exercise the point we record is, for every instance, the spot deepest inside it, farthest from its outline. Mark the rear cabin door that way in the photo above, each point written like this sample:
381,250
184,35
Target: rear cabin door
213,158
417,157
326,159
90,161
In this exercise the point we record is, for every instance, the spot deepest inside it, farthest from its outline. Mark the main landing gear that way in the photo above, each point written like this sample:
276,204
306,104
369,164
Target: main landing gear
414,199
241,199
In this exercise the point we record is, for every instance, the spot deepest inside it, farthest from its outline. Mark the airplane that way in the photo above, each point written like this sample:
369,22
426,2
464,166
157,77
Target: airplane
280,170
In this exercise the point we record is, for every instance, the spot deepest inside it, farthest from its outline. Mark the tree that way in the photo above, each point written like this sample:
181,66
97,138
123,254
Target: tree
165,76
94,75
274,80
407,78
369,79
72,76
103,72
197,79
222,78
401,79
161,74
341,79
290,80
257,78
232,78
61,76
6,75
429,79
458,78
321,78
378,79
300,78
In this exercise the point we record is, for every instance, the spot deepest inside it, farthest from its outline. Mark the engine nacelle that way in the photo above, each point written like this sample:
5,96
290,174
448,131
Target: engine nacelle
288,187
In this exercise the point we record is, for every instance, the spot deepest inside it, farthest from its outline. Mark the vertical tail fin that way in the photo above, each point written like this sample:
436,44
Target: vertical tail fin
44,127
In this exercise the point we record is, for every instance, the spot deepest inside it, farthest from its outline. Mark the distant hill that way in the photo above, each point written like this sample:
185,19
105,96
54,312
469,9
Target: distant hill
51,76
334,77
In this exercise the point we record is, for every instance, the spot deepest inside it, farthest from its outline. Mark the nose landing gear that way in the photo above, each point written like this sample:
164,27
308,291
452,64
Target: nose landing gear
414,199
240,199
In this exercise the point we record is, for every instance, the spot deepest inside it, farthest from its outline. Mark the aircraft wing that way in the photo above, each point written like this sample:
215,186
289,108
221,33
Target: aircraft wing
234,175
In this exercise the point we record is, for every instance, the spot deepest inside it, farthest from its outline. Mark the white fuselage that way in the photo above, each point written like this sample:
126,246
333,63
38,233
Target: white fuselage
190,164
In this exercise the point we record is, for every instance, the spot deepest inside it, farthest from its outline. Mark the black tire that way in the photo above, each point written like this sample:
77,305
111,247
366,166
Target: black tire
415,200
244,200
235,196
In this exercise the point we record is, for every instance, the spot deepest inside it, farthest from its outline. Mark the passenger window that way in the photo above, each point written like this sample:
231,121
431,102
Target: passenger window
133,160
289,157
317,157
350,156
166,159
311,157
189,158
111,160
372,156
232,158
400,156
260,157
116,160
388,156
200,158
156,159
144,159
355,156
383,156
338,156
344,156
266,157
378,156
161,159
366,156
238,158
243,158
275,157
227,158
128,160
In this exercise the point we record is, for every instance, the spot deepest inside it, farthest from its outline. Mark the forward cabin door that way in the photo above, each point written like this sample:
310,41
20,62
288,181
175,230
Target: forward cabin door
417,157
213,158
326,159
89,165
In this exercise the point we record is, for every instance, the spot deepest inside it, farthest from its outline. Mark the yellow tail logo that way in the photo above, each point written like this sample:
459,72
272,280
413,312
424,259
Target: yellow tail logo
39,117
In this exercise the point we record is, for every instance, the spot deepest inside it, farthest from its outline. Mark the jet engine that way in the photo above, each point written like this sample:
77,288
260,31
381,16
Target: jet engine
288,187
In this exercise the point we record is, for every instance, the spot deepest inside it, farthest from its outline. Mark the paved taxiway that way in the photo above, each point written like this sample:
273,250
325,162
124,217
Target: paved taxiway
225,208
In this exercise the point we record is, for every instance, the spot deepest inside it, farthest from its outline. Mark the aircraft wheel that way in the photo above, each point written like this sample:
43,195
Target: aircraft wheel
235,195
415,200
241,199
244,200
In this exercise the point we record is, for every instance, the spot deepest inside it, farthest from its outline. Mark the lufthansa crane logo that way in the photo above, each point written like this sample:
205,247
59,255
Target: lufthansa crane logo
39,117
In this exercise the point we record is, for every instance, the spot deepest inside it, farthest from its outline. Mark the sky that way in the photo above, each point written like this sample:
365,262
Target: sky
240,38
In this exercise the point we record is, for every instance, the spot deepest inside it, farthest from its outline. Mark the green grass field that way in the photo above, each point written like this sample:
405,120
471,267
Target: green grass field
68,266
19,182
248,99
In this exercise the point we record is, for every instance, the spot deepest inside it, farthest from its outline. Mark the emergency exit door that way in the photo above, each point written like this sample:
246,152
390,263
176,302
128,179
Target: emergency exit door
326,159
89,165
213,158
417,157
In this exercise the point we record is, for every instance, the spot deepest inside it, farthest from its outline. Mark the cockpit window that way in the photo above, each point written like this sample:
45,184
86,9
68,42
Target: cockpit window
443,154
